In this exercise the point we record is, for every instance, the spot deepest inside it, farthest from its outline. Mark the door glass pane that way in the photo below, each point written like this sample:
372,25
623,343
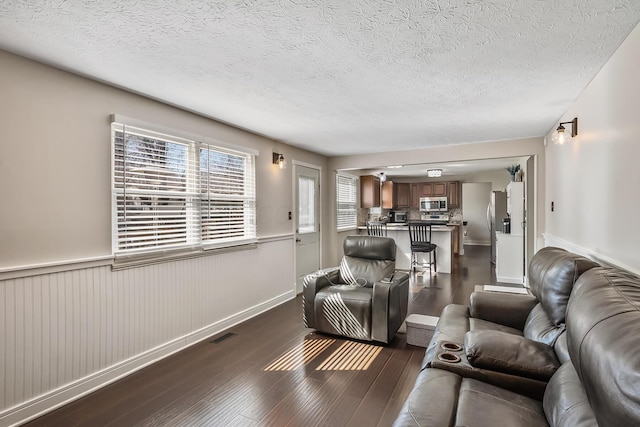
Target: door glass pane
306,207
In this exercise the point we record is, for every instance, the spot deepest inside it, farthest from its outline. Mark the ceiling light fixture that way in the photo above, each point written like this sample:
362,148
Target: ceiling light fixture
560,136
278,159
394,167
383,177
434,173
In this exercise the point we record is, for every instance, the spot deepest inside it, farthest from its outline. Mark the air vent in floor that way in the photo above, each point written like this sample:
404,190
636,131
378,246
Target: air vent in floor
222,338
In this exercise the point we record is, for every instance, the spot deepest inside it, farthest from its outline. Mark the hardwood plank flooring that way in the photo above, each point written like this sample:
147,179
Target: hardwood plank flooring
226,384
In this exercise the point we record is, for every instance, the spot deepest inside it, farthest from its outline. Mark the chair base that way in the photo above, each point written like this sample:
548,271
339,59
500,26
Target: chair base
432,265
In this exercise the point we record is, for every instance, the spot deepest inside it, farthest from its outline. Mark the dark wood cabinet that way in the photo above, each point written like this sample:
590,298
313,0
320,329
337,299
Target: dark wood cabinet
369,191
453,194
433,189
426,189
439,189
416,193
388,191
401,195
455,239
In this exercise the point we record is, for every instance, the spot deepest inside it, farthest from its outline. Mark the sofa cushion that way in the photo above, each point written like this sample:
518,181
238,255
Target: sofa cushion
539,327
370,247
364,272
344,310
483,325
565,400
603,336
511,354
444,399
552,273
367,259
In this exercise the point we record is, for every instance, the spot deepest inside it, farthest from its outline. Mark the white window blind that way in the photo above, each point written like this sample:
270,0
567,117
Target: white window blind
228,204
346,202
172,193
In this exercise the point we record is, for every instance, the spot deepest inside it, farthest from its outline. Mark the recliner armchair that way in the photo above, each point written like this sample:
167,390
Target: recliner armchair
365,298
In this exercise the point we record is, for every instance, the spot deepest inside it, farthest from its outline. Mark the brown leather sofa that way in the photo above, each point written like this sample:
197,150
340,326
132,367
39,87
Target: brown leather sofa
586,360
510,339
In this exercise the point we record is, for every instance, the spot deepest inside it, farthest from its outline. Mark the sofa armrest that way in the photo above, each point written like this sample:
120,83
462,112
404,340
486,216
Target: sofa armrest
389,306
312,284
511,354
531,387
506,309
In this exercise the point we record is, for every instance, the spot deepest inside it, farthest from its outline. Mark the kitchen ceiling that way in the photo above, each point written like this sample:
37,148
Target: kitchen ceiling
468,167
338,76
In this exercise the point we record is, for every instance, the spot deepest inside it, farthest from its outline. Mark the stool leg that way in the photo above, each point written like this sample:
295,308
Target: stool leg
435,260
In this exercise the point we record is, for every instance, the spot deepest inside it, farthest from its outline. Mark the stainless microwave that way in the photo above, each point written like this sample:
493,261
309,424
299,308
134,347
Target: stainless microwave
433,204
398,216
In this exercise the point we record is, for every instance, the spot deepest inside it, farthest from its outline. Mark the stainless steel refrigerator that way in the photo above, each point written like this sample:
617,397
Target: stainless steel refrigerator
496,211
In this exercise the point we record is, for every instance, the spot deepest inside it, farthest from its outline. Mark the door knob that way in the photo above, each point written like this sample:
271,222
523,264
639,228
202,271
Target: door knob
298,240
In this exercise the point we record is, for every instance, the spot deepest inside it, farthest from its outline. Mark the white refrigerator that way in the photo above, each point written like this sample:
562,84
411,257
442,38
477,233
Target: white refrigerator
496,211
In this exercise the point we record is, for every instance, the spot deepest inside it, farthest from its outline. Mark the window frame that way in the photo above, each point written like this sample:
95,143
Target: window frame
354,180
196,200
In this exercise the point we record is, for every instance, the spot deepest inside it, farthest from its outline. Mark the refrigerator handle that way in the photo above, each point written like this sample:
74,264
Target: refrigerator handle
489,217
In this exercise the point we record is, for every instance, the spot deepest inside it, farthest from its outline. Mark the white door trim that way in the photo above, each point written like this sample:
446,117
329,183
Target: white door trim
294,198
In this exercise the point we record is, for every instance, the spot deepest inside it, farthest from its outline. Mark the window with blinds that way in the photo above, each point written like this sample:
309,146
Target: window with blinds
346,202
173,193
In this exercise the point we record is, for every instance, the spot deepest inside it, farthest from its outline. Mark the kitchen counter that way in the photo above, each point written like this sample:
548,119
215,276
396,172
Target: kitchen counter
441,235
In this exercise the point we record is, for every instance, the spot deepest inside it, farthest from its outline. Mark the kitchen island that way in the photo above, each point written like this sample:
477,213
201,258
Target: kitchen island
440,235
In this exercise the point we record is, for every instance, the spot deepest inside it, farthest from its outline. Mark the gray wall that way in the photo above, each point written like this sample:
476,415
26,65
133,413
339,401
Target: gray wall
55,163
594,181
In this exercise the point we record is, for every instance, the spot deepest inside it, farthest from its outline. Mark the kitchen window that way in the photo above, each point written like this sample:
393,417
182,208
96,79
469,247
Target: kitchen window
178,193
346,202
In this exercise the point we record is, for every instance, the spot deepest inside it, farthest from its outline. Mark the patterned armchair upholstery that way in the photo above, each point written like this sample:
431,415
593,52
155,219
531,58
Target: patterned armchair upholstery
365,298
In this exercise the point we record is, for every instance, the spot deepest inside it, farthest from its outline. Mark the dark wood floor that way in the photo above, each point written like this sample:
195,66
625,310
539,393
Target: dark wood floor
225,383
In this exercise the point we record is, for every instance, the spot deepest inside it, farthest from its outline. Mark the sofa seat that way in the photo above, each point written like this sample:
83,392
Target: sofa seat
344,310
444,399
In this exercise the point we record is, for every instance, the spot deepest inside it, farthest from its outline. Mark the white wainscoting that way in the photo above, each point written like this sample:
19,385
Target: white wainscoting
67,333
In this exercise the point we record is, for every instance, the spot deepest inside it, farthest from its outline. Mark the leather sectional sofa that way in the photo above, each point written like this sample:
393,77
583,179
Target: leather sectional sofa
567,356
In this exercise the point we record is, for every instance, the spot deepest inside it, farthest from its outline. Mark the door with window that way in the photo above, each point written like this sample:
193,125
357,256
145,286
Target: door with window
307,209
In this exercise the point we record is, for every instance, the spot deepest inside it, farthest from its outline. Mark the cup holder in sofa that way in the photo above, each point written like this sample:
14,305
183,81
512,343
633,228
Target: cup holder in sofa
449,357
450,346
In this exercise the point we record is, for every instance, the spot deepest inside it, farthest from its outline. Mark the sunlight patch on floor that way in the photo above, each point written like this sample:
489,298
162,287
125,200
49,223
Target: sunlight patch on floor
299,355
351,356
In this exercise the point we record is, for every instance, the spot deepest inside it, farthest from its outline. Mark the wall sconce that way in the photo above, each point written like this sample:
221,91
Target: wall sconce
278,159
560,136
434,173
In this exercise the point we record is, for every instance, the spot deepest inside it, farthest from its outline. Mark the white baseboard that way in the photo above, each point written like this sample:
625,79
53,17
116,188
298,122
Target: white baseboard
34,408
515,280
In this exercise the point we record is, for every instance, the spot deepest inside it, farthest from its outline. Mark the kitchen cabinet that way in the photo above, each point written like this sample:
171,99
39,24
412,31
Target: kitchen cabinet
416,190
433,189
369,191
387,194
453,194
455,237
401,195
439,189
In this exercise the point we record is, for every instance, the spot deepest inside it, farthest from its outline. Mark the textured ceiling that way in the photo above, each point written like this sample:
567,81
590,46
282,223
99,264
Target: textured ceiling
338,76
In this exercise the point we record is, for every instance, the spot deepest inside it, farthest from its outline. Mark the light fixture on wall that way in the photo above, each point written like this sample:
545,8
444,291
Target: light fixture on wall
278,159
383,177
434,173
560,135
